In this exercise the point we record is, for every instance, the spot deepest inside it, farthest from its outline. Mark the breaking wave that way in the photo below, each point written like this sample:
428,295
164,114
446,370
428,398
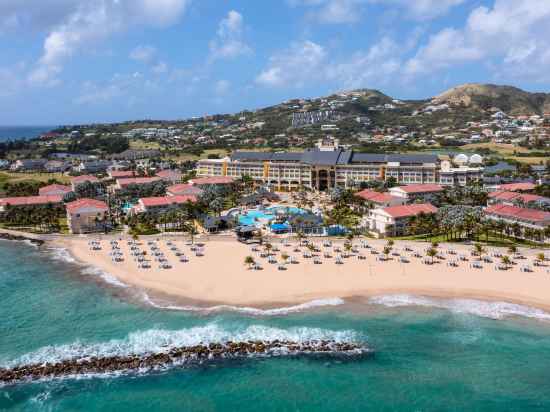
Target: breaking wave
61,254
317,303
485,309
162,341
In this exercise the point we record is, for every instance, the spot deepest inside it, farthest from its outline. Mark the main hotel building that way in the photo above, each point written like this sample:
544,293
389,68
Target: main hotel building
328,166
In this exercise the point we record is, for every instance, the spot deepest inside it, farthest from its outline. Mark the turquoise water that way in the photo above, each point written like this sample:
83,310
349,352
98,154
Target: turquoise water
252,216
446,358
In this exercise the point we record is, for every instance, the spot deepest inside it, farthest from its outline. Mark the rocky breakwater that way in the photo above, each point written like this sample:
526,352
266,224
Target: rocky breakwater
179,356
11,236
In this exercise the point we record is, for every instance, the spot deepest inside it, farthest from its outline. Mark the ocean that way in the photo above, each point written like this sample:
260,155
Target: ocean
430,355
22,132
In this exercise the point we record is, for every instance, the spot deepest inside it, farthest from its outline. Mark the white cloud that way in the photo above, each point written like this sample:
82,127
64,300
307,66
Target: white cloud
222,87
143,53
118,86
511,37
378,65
94,20
229,41
160,68
332,11
423,9
294,67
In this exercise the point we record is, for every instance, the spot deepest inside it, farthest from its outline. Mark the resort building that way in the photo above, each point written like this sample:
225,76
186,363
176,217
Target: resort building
531,219
125,182
212,181
461,175
170,176
393,220
87,216
184,189
159,204
327,166
412,193
516,199
380,199
78,180
121,174
54,190
516,187
29,201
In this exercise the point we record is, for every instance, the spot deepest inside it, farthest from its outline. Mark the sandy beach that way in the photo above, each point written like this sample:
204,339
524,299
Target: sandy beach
221,277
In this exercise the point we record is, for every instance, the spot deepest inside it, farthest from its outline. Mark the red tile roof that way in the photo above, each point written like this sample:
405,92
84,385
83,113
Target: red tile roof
136,181
522,213
118,174
44,191
170,174
30,200
517,187
410,210
84,178
217,180
184,189
375,197
421,188
74,207
526,197
166,200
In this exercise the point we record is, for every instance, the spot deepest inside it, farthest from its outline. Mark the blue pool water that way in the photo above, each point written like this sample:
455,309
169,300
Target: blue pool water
252,217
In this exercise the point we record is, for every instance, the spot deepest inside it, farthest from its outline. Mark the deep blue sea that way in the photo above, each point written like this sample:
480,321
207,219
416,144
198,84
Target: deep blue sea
22,132
430,355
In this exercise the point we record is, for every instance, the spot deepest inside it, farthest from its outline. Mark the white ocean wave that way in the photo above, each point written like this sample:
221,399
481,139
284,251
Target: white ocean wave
162,341
62,254
107,277
486,309
249,310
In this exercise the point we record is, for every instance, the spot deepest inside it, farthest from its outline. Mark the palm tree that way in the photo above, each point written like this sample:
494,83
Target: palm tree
390,243
348,247
386,251
249,261
284,256
268,246
506,261
540,257
479,250
512,249
431,252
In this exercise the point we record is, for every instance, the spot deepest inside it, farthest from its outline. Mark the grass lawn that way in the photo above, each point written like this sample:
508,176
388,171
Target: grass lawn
138,144
13,177
493,241
504,149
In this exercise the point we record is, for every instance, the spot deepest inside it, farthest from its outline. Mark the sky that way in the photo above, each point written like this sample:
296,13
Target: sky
86,61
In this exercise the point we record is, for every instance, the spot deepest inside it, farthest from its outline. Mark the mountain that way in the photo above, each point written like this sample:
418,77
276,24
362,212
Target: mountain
509,99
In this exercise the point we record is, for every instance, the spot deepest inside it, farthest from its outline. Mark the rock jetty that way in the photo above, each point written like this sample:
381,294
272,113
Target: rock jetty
9,236
179,356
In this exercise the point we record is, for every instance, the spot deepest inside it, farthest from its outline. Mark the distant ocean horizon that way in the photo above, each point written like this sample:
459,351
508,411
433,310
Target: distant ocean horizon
22,132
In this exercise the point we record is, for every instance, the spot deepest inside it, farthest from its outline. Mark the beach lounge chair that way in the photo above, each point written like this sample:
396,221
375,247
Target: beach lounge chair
339,260
487,259
281,267
526,268
257,267
272,260
373,252
184,259
403,259
293,260
476,265
361,256
327,255
317,261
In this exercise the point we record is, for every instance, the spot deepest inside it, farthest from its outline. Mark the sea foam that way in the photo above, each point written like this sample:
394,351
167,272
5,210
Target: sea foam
162,341
491,310
61,254
317,303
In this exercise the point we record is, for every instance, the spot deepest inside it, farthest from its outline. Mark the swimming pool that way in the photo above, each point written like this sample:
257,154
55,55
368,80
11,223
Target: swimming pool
255,217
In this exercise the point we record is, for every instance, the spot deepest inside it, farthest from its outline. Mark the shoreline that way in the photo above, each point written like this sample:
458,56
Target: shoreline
291,286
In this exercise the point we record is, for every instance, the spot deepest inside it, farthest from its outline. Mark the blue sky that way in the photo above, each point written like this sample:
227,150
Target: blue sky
80,61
